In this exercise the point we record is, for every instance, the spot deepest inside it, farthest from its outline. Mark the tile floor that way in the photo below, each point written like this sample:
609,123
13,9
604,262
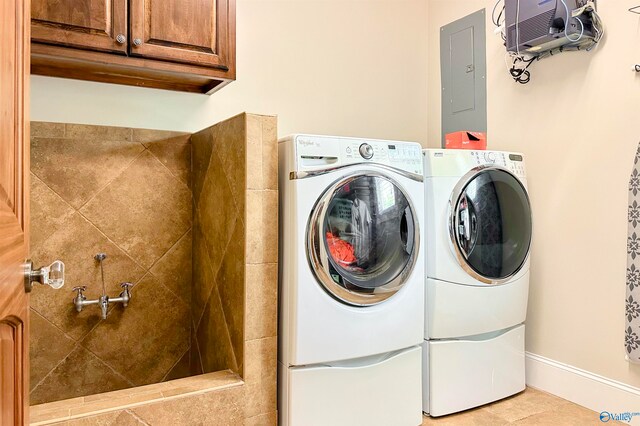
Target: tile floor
531,407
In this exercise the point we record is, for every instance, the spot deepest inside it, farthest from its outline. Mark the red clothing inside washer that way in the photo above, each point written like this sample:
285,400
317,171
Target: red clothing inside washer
341,251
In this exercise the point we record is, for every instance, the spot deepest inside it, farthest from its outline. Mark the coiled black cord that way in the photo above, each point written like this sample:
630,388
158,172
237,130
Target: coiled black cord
521,75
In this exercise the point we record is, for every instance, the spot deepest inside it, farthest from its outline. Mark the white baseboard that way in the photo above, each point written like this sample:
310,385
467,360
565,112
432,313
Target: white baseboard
582,387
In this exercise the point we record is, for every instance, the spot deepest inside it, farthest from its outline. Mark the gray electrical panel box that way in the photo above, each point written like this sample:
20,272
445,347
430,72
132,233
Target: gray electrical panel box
463,64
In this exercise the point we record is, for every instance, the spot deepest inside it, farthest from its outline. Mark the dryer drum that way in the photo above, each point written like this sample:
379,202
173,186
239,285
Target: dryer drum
490,224
363,239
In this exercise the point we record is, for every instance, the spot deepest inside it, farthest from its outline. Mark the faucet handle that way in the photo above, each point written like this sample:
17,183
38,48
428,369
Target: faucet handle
80,289
126,285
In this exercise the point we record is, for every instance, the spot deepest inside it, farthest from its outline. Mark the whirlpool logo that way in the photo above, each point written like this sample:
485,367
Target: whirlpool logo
606,416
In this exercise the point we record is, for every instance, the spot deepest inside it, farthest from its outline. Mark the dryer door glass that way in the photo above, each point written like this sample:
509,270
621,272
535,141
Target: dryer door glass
363,239
491,225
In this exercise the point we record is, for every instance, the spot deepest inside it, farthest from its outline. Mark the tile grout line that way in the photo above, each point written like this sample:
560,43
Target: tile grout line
77,210
159,282
53,369
101,320
155,262
117,175
206,172
54,325
135,416
126,253
224,317
118,245
197,347
113,370
80,343
149,272
165,166
215,273
77,343
164,378
224,252
53,190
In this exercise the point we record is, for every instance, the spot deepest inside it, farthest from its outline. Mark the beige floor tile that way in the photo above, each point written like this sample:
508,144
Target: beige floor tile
567,414
531,407
523,405
476,417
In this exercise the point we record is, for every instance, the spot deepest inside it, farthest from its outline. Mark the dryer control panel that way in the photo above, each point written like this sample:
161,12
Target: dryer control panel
457,162
322,152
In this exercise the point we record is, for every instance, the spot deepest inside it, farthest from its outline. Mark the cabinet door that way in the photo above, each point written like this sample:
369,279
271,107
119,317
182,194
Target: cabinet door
85,24
197,32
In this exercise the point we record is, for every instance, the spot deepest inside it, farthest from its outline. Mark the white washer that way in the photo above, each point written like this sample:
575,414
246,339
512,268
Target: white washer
351,281
478,220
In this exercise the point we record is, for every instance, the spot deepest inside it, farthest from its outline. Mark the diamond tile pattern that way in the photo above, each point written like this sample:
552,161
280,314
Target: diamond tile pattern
44,356
143,199
70,379
234,172
124,192
156,330
233,315
77,169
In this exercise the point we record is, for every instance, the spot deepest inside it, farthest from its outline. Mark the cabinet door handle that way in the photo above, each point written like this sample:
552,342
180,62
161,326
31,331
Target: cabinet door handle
52,275
137,42
120,38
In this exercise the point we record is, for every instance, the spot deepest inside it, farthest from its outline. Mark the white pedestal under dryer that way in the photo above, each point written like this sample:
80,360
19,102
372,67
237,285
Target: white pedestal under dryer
351,278
479,229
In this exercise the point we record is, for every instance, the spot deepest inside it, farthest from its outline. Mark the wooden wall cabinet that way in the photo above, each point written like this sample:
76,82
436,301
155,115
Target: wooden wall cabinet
186,45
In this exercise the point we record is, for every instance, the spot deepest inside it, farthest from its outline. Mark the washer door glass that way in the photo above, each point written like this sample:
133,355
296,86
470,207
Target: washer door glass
363,239
491,225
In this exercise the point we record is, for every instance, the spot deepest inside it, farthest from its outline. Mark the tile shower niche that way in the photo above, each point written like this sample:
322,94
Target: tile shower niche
191,220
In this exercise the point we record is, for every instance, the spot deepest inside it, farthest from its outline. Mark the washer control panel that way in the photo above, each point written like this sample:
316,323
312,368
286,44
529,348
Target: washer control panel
317,152
443,162
366,151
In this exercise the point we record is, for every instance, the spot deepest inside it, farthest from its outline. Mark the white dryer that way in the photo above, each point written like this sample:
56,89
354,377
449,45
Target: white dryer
479,230
351,281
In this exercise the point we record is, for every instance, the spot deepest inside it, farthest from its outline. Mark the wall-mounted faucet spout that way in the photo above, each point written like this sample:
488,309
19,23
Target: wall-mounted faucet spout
103,301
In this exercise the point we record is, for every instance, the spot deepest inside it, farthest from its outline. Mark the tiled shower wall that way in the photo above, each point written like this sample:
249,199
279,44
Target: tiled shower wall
124,192
235,172
235,242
